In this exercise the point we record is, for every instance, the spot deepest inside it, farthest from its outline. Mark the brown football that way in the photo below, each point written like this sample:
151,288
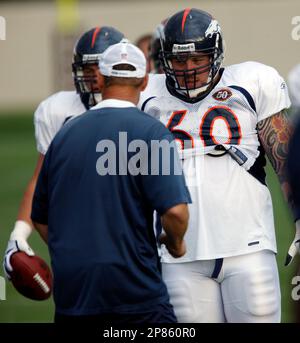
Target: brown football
31,276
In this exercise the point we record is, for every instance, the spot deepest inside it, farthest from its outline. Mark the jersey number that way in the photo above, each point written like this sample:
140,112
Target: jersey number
206,127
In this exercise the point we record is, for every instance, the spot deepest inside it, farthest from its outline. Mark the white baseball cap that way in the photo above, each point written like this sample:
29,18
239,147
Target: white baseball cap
123,53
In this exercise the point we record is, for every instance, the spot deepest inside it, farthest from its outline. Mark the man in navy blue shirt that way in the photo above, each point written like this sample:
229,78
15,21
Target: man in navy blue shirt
100,183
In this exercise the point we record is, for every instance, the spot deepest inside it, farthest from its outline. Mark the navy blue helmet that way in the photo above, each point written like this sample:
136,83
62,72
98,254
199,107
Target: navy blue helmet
87,51
189,32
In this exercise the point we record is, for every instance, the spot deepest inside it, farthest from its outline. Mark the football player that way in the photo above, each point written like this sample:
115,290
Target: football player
155,48
225,119
143,42
53,112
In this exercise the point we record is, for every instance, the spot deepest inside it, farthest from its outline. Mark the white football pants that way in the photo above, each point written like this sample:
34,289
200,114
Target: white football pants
239,289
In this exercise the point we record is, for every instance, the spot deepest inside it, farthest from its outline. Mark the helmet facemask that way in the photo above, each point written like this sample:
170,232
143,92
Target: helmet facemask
186,81
189,35
87,53
86,81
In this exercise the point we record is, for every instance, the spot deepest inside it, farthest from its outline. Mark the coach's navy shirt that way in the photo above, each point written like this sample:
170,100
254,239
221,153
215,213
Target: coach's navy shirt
100,231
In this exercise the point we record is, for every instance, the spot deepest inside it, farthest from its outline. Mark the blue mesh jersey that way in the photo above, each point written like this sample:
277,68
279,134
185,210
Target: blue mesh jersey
100,231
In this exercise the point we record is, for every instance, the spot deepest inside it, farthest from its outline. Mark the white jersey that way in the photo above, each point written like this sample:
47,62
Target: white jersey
231,213
52,113
155,88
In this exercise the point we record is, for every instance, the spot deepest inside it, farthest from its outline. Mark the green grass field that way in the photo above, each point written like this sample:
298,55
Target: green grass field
18,157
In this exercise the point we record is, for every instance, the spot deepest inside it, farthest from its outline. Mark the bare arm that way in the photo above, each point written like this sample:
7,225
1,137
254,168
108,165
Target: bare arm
23,226
274,133
175,222
26,203
42,230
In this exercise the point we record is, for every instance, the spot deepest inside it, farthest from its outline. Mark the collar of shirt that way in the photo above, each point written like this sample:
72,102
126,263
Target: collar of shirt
113,103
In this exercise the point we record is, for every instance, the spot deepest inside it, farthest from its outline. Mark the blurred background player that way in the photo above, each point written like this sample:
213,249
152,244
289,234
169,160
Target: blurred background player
155,48
294,89
53,112
225,120
143,42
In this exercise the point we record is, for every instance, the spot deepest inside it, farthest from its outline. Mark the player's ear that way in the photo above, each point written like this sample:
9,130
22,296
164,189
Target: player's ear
145,82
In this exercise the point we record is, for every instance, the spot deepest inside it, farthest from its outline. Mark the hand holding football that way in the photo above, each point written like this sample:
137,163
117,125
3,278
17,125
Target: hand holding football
31,276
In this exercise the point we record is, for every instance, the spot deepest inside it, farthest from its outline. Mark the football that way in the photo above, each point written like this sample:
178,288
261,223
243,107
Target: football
31,276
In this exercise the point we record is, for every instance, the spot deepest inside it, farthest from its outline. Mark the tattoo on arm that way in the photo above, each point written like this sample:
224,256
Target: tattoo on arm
274,133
